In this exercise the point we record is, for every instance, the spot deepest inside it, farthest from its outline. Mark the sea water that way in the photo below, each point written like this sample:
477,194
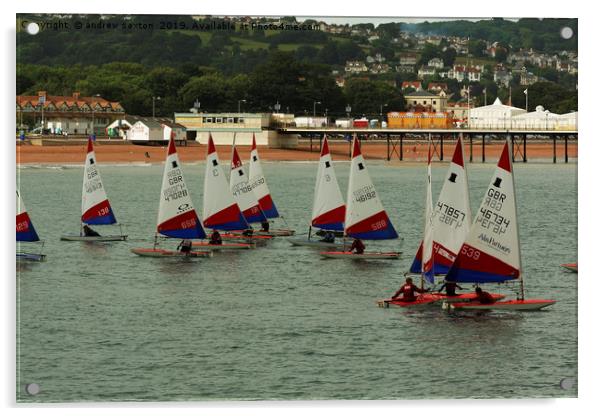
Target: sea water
98,323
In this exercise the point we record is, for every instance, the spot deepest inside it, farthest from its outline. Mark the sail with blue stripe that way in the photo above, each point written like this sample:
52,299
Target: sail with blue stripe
491,252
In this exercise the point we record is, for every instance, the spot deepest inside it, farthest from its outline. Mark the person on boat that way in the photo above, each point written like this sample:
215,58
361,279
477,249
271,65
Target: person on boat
328,237
216,238
265,226
450,288
89,232
358,246
185,247
484,297
408,291
248,232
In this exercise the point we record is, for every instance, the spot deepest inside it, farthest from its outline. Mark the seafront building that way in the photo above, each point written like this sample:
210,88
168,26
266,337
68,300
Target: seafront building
146,129
75,114
225,128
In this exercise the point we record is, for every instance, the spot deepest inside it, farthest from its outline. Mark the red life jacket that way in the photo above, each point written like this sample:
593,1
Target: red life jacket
408,291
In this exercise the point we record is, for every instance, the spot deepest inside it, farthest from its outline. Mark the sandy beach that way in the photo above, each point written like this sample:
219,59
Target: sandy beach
129,153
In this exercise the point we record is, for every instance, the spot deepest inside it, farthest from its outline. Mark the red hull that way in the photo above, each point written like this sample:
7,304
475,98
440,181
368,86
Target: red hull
464,297
420,301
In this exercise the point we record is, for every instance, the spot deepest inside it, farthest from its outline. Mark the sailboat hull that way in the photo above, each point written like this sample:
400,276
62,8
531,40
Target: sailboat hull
279,232
157,252
421,301
304,242
510,305
464,297
30,257
572,267
224,246
101,238
392,255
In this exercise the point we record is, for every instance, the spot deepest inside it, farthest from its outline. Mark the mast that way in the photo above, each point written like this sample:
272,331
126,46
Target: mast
520,262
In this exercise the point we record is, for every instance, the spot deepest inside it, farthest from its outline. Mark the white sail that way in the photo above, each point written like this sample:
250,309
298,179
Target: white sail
427,245
242,191
491,252
220,210
452,217
365,216
259,184
177,217
96,208
328,211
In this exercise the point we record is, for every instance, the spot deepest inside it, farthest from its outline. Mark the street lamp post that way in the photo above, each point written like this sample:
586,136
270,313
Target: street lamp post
240,101
316,102
158,99
381,111
93,119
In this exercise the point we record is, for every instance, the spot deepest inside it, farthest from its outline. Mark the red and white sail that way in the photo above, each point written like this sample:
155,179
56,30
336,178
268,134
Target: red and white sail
96,208
452,217
220,210
329,207
242,191
365,217
177,217
259,184
25,229
427,245
491,252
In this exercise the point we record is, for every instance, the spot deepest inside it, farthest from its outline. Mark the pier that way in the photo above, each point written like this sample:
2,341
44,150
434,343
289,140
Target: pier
477,140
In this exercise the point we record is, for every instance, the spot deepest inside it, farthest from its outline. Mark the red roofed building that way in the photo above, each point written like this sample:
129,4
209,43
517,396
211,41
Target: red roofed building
417,85
68,114
437,87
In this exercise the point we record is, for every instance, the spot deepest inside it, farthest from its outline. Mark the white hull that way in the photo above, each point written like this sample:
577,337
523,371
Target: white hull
304,242
511,305
364,256
101,238
30,257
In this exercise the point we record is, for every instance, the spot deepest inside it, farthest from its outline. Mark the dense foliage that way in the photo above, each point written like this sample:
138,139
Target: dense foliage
221,68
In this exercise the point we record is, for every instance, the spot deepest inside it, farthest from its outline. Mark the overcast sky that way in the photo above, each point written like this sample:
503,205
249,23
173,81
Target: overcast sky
379,20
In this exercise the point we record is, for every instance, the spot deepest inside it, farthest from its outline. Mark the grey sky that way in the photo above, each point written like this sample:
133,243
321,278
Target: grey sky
380,19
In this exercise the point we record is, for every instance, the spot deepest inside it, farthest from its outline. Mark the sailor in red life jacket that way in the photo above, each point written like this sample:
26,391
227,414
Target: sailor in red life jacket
409,290
484,297
216,238
358,246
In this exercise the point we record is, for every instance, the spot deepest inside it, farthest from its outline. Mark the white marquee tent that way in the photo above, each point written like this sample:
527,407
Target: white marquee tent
496,115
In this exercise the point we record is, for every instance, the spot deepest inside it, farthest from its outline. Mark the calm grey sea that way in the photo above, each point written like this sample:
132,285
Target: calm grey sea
97,323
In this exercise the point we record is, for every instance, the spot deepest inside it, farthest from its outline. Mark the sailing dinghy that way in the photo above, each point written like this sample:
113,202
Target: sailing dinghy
365,217
491,252
96,209
427,262
177,217
220,210
242,192
328,213
26,233
259,185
